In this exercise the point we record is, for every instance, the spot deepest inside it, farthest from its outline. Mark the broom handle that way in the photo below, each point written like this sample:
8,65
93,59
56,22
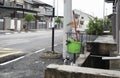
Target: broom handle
76,34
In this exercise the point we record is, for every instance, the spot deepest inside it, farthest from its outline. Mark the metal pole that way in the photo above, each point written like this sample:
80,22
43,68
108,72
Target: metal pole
53,39
57,8
103,9
57,15
104,13
74,58
53,26
36,21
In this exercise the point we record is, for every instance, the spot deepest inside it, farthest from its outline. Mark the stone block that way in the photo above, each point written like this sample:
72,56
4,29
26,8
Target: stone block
66,71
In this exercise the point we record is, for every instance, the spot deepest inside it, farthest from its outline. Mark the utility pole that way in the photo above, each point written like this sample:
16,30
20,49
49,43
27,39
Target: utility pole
14,8
104,14
66,29
103,9
57,8
15,15
57,13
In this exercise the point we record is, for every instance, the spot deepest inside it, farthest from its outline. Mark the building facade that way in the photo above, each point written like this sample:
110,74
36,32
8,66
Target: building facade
12,13
116,21
83,19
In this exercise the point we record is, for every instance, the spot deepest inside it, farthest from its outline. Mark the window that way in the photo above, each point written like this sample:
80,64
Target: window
19,1
1,2
82,17
28,6
19,6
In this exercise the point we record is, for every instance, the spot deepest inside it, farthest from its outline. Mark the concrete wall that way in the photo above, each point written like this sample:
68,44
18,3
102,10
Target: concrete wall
114,26
15,24
102,47
117,24
7,23
64,71
115,64
1,24
97,48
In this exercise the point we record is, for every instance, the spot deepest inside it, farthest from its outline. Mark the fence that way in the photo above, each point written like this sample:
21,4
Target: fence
83,37
42,25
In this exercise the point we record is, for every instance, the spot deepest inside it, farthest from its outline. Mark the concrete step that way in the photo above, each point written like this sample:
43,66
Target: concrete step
82,58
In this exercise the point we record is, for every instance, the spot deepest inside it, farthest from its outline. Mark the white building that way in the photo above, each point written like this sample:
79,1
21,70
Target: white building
83,19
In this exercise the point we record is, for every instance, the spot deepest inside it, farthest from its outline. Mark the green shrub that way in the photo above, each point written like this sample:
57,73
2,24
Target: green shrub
96,26
58,20
29,17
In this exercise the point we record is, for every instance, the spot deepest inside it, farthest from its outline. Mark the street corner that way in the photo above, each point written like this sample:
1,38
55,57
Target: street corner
7,54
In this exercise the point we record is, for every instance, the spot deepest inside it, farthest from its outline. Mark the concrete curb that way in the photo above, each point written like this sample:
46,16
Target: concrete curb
7,54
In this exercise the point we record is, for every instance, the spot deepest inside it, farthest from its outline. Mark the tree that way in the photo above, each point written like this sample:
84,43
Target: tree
58,20
29,18
96,26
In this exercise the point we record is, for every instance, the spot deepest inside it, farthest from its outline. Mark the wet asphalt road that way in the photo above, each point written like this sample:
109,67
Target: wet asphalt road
31,65
31,41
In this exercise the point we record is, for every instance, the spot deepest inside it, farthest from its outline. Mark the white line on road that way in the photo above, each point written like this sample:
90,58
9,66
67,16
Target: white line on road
12,61
39,50
5,63
55,45
7,33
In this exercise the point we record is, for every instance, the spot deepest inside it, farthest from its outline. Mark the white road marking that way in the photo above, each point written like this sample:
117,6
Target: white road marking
22,32
39,50
5,63
7,33
15,32
55,45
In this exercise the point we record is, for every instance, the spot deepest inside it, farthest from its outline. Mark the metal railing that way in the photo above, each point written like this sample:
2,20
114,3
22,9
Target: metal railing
83,38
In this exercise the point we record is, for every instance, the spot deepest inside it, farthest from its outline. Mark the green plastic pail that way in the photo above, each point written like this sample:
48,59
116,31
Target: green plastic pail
74,47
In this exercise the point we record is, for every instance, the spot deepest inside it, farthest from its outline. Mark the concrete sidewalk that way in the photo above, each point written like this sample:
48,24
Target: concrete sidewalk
7,32
7,54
